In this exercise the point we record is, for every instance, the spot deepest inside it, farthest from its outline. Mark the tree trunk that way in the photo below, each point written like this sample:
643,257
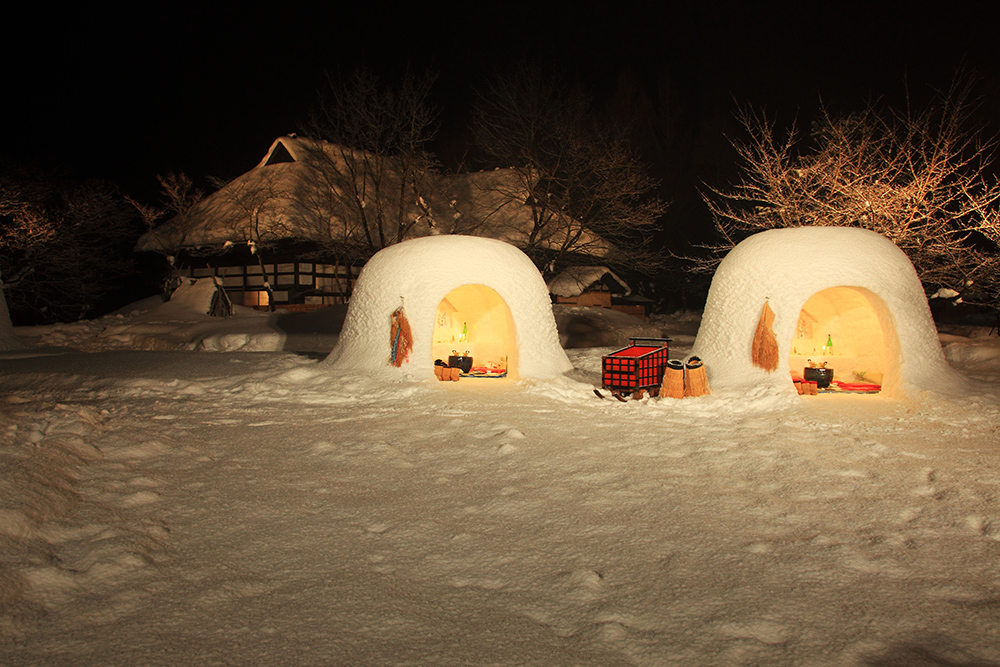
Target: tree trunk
8,341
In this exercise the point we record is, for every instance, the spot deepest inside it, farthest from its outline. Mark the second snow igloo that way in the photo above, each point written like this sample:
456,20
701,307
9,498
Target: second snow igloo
459,294
848,286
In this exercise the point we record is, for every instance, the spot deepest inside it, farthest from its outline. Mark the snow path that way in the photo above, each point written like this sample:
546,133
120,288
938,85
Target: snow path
278,513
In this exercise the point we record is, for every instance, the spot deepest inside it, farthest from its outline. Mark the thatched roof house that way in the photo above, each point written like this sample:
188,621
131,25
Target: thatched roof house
324,202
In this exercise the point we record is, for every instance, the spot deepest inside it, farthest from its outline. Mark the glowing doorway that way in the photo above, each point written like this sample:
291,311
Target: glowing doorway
473,320
858,324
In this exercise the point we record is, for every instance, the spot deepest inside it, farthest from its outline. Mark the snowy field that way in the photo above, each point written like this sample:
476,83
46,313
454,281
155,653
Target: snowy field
173,505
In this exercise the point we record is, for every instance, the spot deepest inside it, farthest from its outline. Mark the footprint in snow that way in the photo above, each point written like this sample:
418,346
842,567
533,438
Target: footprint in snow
506,439
145,450
486,583
612,632
981,526
140,498
765,632
582,585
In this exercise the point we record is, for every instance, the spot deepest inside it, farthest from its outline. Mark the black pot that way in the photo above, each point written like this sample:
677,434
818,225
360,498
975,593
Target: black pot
460,361
821,376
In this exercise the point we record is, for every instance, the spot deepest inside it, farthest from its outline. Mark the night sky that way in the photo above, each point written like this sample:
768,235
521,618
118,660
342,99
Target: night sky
127,95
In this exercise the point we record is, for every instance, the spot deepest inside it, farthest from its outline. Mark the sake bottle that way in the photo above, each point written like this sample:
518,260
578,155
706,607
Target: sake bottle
828,348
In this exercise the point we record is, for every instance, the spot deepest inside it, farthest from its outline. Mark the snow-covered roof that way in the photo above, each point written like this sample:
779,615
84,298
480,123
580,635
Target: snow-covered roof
419,274
278,194
576,279
289,198
785,267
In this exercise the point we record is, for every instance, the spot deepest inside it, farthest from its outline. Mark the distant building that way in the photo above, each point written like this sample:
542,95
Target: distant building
294,221
596,286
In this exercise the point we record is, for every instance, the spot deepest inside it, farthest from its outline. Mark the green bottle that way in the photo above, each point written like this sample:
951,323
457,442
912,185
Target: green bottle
829,344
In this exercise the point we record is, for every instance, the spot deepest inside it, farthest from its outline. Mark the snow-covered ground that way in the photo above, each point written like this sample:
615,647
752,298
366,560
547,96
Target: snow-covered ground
170,505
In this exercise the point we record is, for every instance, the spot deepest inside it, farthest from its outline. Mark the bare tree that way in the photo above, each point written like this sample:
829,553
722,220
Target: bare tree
178,197
370,172
919,178
64,245
588,193
255,210
24,229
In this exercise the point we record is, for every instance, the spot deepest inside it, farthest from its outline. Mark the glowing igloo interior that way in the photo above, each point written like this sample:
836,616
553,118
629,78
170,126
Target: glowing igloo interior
473,320
861,328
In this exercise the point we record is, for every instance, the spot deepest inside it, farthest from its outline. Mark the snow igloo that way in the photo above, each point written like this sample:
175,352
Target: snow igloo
846,286
461,295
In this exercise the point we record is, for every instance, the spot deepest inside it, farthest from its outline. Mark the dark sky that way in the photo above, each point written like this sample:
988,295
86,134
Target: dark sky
128,95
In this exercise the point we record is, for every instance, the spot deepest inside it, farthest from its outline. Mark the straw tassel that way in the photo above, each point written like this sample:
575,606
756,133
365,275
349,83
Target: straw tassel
765,344
400,337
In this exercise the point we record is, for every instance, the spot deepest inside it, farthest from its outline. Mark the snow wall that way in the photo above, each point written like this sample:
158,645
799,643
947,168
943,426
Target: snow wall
418,274
786,267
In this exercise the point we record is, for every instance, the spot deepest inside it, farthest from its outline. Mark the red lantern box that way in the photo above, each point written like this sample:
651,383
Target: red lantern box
638,366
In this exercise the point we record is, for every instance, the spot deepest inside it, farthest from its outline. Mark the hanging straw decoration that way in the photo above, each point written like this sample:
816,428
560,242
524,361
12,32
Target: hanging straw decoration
765,345
400,337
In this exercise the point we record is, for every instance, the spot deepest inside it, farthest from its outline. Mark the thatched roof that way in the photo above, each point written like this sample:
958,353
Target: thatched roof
286,196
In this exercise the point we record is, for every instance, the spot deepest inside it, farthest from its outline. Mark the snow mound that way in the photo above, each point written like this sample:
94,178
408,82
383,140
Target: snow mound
588,326
786,268
419,274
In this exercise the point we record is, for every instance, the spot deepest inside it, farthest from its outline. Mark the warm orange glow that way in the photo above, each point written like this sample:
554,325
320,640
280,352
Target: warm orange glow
256,298
860,326
491,339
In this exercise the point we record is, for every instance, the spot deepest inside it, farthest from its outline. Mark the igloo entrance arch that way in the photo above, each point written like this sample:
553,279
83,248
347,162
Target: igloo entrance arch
859,325
474,320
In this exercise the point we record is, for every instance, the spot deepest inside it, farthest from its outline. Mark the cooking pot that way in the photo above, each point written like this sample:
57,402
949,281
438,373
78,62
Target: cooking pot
462,361
821,376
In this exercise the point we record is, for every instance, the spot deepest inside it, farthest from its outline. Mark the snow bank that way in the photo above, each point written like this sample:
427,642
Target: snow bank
788,266
588,326
418,274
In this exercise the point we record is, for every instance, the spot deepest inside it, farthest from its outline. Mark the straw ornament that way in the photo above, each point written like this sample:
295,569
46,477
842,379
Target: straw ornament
400,337
765,345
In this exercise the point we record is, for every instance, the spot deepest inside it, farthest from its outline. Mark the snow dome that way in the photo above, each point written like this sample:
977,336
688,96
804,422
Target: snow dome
460,294
846,286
